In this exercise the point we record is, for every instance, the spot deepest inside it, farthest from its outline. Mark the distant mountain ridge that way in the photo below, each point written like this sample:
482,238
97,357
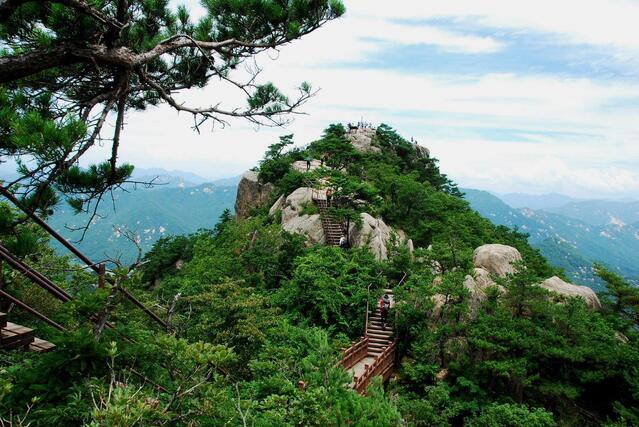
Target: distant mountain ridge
149,214
601,212
571,236
162,178
536,201
570,243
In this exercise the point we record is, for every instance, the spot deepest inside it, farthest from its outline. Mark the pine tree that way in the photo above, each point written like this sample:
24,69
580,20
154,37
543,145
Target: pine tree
67,65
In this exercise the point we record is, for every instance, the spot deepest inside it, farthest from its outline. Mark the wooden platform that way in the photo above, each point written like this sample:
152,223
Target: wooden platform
14,336
41,346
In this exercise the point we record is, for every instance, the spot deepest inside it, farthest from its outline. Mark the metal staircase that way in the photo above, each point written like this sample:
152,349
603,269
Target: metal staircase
332,227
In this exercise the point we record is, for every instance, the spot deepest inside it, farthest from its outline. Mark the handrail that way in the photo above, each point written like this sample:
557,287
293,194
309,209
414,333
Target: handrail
31,310
354,353
95,267
402,281
396,309
379,366
34,275
368,297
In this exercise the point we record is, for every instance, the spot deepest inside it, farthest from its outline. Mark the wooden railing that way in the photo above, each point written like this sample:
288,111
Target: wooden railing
368,297
355,353
381,366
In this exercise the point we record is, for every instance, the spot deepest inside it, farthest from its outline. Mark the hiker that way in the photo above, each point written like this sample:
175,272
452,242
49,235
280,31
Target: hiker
343,242
329,196
308,163
384,308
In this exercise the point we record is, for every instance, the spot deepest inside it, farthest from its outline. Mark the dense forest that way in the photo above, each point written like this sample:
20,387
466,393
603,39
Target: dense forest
256,317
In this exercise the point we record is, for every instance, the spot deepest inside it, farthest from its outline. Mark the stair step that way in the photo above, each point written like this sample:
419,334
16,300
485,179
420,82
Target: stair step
376,324
14,336
379,334
41,346
376,348
385,335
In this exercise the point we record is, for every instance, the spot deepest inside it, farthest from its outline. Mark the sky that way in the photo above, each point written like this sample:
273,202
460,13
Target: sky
511,96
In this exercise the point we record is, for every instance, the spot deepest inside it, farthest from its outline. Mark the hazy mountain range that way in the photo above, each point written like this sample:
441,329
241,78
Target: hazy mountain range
179,207
573,235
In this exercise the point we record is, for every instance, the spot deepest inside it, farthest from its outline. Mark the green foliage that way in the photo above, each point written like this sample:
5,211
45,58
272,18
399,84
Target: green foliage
163,257
509,415
328,288
65,71
621,300
336,151
256,317
519,348
276,164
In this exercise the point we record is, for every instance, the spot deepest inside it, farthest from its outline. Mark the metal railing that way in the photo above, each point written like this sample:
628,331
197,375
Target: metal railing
402,281
95,267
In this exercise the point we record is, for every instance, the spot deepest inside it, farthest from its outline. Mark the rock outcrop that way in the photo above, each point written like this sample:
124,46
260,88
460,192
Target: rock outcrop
499,260
362,140
277,206
496,259
373,233
478,285
294,221
376,235
555,284
422,152
251,194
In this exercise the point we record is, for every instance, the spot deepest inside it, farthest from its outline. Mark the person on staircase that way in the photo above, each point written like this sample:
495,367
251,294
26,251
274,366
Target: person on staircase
329,196
343,242
384,308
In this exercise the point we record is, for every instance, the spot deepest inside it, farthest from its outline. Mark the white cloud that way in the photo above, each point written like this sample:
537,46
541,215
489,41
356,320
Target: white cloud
598,22
567,141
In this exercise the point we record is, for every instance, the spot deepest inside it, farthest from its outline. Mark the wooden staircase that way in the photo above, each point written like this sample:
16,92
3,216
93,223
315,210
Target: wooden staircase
374,354
378,337
13,336
332,227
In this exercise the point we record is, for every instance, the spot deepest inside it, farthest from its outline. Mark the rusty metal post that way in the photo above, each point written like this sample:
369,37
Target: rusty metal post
101,275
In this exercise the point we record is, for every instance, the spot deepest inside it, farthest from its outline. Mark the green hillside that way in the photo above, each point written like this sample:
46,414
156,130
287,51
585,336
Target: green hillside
601,212
148,213
253,319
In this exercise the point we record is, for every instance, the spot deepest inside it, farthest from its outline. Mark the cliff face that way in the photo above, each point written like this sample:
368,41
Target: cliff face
251,194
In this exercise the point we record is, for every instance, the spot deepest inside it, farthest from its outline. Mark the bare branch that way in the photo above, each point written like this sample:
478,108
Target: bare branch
213,112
